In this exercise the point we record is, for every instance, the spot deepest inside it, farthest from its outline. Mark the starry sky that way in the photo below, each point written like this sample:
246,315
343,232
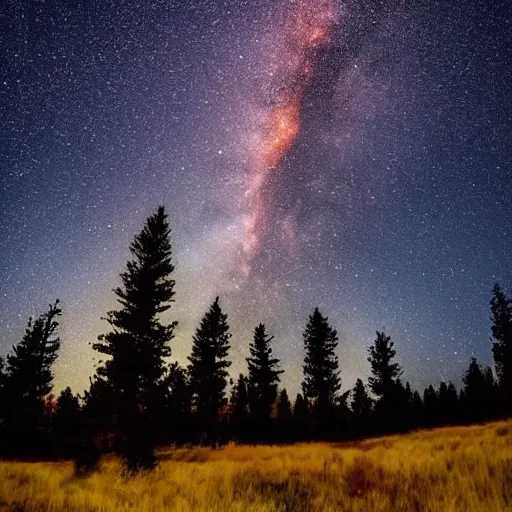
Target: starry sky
347,154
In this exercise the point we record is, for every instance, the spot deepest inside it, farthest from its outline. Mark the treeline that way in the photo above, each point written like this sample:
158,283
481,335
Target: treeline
137,400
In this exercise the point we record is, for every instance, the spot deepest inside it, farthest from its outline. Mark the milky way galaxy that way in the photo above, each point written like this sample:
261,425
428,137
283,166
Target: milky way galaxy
347,154
307,30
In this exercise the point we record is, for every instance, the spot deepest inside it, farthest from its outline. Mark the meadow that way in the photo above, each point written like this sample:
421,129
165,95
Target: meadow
451,469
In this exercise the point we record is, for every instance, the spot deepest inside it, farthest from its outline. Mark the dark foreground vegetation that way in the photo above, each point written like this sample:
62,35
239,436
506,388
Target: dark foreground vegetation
138,401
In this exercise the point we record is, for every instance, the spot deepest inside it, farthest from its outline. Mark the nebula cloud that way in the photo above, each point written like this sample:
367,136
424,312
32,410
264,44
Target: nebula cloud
307,30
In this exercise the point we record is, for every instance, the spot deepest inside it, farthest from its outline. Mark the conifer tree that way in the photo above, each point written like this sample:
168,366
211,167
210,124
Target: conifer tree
97,410
478,391
27,380
208,368
66,422
176,403
501,317
301,417
284,416
239,407
138,341
67,411
431,405
362,403
343,417
263,375
284,408
321,371
385,375
2,388
416,409
448,403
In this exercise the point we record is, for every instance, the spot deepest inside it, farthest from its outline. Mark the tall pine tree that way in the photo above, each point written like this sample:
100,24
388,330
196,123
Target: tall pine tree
385,383
385,374
263,375
138,341
501,317
321,370
361,404
27,380
208,369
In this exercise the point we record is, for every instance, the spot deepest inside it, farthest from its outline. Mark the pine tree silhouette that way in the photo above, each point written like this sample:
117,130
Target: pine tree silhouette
362,408
66,426
97,413
284,416
263,378
417,410
385,380
27,380
448,404
138,341
176,404
431,406
301,418
501,317
479,390
208,370
239,408
321,370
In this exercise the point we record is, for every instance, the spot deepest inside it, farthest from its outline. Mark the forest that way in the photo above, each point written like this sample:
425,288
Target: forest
138,401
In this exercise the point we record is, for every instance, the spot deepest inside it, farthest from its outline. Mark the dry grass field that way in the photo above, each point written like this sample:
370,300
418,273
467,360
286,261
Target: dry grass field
467,469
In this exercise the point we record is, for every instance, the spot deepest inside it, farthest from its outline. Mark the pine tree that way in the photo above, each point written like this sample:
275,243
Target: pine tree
67,412
448,403
321,374
97,411
263,375
284,416
417,411
408,392
343,417
385,380
431,405
27,380
138,342
208,368
362,403
239,407
284,408
176,404
66,422
3,378
501,317
301,417
478,391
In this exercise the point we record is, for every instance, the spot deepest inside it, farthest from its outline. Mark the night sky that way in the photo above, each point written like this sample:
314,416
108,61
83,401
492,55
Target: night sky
352,155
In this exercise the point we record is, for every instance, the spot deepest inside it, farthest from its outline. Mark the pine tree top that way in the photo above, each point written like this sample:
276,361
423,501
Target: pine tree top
29,365
385,373
321,368
139,340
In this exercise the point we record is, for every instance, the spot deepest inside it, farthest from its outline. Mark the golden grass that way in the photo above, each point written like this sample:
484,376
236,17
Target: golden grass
465,469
